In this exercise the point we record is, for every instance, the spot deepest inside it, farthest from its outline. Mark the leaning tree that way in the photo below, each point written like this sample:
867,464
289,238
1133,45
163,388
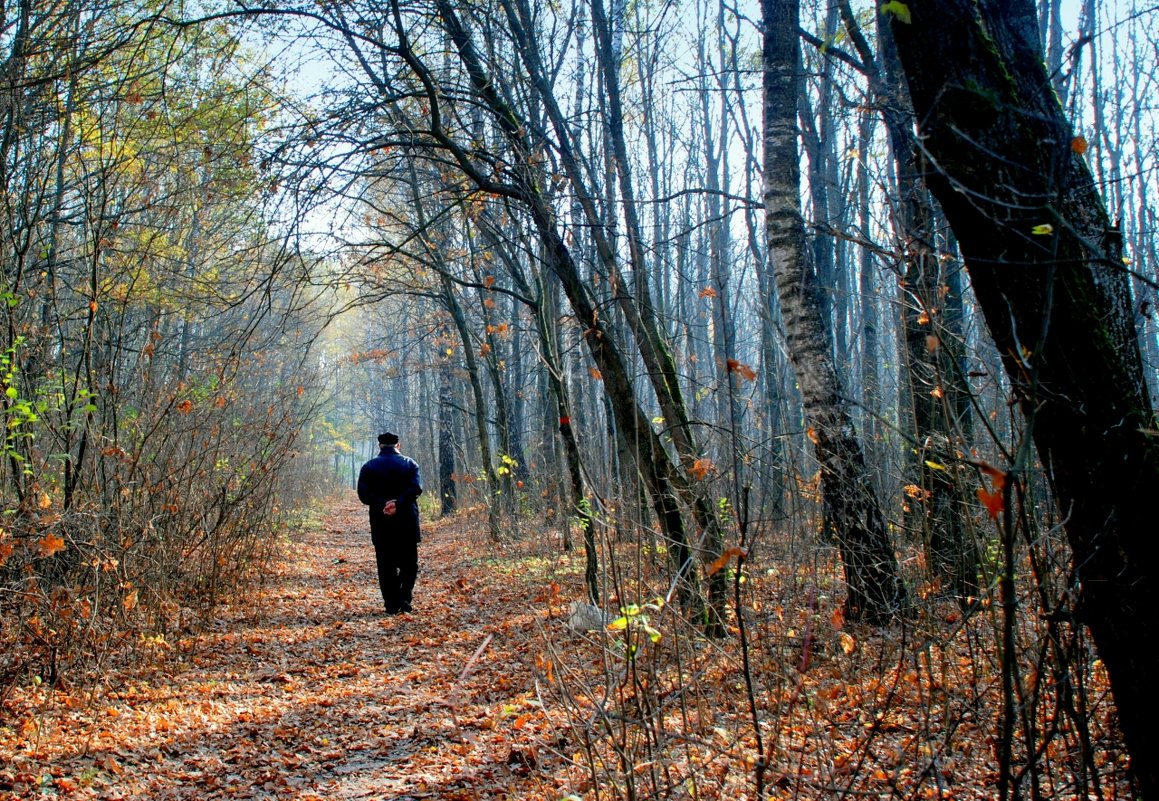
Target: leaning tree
1046,266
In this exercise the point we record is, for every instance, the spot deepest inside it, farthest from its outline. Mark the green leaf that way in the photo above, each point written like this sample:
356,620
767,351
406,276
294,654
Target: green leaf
1046,229
897,9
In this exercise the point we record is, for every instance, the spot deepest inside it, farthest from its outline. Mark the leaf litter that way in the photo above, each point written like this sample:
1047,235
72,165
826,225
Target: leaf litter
307,691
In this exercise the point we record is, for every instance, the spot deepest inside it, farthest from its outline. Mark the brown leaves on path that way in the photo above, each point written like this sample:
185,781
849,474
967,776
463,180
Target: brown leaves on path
307,691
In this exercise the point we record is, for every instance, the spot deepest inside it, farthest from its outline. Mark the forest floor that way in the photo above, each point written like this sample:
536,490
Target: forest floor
310,692
306,690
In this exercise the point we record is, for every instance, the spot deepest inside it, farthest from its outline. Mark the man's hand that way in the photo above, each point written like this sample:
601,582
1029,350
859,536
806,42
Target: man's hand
390,508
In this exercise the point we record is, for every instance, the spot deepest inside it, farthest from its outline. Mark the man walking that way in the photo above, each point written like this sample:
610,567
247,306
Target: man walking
390,485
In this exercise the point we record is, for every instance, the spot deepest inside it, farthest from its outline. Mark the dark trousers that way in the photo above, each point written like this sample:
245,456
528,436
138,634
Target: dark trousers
398,566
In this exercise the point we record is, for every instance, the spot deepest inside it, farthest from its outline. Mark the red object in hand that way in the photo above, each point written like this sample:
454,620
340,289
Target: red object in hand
389,508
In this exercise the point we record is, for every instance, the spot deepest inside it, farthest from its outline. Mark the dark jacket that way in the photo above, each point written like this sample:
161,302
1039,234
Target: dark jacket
391,476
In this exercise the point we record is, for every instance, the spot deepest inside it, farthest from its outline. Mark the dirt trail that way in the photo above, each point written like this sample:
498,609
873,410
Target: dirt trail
311,692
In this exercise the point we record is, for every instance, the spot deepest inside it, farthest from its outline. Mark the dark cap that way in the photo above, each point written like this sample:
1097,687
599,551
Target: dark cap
388,439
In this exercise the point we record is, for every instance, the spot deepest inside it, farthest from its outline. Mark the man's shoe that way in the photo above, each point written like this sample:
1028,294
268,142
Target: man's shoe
405,608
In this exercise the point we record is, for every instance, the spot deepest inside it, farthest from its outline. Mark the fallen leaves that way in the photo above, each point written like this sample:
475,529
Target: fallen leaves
307,692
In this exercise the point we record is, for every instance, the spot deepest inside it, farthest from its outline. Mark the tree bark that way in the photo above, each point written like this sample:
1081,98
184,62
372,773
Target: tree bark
875,593
1046,270
448,491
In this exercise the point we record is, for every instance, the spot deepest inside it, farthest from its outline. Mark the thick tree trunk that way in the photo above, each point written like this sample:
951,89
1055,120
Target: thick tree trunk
875,592
1046,270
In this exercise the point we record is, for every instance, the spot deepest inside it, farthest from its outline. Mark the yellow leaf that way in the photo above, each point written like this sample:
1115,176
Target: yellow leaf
619,624
937,393
934,465
897,9
848,644
1045,229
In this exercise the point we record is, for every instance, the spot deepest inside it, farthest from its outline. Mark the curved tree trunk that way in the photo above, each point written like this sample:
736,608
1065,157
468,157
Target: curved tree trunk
665,484
875,590
1046,270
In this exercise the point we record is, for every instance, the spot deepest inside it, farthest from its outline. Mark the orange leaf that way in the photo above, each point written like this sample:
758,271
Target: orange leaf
719,562
130,600
1079,145
924,318
994,502
489,281
998,475
185,407
931,343
814,437
6,550
596,374
708,292
701,468
49,545
743,369
914,491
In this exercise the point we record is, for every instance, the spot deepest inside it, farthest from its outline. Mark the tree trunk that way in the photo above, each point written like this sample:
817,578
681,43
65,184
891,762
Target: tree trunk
491,480
875,592
1047,273
448,492
665,483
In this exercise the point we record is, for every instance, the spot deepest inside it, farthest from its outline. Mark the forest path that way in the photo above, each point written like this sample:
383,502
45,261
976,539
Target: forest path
310,692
